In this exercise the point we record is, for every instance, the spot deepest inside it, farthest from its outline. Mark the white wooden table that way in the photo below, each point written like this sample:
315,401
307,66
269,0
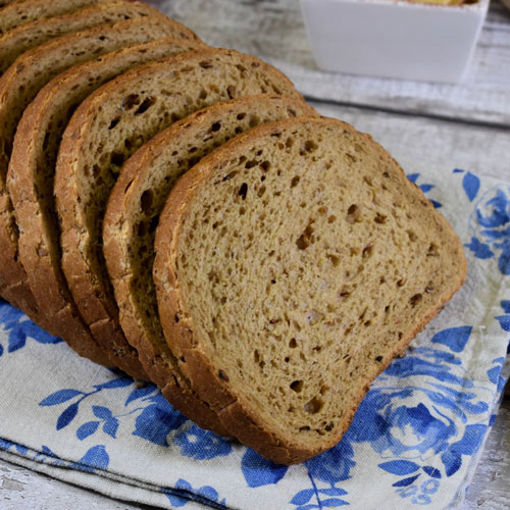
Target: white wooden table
465,125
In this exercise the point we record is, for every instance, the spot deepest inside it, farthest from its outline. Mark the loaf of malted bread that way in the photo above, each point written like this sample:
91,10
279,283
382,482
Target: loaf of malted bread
291,265
133,211
18,86
179,212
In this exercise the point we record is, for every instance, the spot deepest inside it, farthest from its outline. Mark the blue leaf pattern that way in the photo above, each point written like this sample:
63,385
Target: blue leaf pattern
87,429
471,185
454,338
20,328
96,458
59,397
400,467
67,416
258,471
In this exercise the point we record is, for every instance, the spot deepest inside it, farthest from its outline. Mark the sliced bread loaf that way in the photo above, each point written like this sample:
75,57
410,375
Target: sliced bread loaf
31,175
15,14
291,265
18,86
109,126
136,202
21,39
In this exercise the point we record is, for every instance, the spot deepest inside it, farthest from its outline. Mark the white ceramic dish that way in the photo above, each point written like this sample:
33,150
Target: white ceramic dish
394,38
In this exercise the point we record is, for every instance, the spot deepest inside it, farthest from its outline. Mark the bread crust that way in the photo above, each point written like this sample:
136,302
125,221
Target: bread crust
238,416
17,13
20,39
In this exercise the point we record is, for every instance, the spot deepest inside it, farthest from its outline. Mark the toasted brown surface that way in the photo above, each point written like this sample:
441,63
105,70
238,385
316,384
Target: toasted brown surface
17,13
32,170
291,265
18,40
109,126
18,86
137,200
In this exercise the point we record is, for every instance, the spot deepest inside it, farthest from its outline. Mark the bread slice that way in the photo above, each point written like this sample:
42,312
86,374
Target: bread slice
31,175
109,126
18,86
15,14
291,265
136,202
16,41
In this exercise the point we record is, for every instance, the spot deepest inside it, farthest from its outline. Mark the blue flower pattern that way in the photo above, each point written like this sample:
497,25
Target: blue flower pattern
20,328
422,433
490,223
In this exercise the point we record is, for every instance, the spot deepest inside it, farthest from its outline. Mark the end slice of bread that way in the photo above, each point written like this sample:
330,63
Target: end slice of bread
21,39
133,211
108,127
18,86
292,265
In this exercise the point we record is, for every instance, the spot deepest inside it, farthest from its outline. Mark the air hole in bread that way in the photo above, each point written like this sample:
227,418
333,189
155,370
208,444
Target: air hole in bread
146,201
296,386
334,259
243,191
367,251
223,376
114,122
432,250
130,101
117,158
292,343
295,181
414,300
146,104
412,236
314,405
307,237
254,121
353,213
380,218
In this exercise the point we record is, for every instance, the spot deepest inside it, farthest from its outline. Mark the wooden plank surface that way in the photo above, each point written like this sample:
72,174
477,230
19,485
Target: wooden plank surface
274,30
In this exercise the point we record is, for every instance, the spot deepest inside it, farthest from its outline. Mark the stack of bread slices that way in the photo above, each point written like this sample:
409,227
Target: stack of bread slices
179,212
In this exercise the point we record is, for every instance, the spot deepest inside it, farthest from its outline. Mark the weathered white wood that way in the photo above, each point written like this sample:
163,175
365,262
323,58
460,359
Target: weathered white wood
22,489
274,30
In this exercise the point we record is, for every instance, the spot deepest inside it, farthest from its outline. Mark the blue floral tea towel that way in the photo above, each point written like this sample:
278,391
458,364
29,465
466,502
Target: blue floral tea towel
414,442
